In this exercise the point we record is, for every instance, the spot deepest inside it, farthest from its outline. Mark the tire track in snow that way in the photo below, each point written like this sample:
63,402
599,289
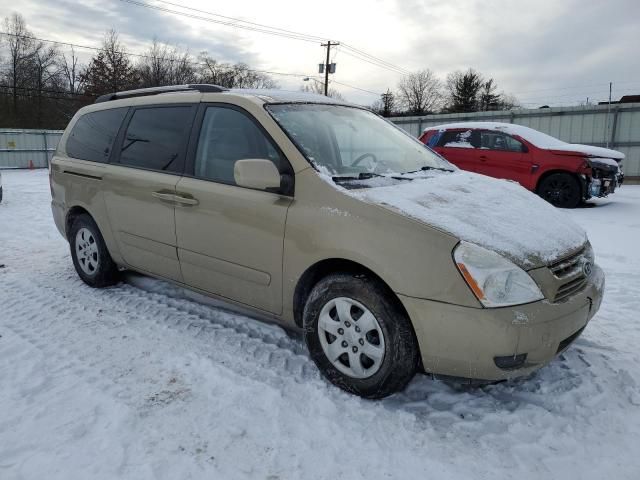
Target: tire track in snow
262,352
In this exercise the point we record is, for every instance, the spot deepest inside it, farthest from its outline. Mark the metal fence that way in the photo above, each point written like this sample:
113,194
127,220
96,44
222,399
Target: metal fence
25,148
616,127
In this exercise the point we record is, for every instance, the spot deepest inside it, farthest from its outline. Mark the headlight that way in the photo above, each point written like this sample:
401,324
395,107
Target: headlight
494,280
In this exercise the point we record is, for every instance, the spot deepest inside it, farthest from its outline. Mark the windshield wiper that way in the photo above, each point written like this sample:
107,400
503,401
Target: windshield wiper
425,168
360,176
367,176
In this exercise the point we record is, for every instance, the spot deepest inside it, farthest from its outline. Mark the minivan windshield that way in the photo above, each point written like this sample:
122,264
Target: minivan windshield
350,142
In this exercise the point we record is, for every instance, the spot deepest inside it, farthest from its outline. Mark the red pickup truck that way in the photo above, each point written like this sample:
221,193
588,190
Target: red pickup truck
562,173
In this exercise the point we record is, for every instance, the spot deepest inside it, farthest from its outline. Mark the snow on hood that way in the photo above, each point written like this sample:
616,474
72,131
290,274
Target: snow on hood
539,139
602,154
499,215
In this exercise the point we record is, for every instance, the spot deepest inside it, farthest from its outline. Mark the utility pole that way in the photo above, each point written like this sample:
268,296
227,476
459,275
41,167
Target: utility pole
327,66
608,113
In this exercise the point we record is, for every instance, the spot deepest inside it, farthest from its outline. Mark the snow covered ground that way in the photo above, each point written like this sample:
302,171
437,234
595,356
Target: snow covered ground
138,381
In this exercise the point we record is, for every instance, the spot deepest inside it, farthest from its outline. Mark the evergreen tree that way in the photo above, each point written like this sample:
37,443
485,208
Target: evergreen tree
110,70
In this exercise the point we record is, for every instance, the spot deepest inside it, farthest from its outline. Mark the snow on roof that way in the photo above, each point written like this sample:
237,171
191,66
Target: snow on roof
539,139
286,96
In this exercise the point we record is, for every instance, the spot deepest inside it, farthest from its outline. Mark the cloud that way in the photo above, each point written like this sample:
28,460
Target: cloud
85,23
544,51
530,46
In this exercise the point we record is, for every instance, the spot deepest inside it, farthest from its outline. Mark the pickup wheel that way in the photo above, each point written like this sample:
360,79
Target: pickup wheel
358,337
561,190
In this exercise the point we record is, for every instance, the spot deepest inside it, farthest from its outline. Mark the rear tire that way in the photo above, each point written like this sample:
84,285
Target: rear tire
353,319
91,258
561,190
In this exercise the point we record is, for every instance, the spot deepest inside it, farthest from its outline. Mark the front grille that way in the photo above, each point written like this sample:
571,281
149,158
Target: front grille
565,267
570,275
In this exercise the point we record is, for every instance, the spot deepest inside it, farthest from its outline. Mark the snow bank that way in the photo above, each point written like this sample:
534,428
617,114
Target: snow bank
539,139
497,214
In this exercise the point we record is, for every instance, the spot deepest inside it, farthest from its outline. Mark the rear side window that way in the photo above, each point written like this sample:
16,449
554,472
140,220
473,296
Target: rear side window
156,137
459,139
93,135
228,135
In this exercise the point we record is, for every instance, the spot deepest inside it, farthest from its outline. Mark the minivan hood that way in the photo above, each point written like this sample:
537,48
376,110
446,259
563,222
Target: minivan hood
499,215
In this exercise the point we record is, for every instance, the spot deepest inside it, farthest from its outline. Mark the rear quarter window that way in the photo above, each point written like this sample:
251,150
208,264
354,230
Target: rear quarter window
93,135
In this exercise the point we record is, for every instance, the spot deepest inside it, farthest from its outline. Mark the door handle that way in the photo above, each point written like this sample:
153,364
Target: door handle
483,158
175,198
167,197
184,200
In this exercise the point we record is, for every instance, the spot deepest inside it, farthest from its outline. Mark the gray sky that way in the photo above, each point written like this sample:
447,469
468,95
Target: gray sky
543,52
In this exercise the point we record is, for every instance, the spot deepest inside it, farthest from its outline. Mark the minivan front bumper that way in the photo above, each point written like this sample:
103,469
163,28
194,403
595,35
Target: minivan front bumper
471,342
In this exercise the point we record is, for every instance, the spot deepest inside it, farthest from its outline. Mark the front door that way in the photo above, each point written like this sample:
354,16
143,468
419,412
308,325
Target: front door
230,241
502,156
140,187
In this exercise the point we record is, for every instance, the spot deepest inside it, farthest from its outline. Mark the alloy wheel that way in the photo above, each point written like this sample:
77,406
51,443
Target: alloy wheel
87,251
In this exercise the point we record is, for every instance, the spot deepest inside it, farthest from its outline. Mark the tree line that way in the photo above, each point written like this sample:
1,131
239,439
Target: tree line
42,86
422,93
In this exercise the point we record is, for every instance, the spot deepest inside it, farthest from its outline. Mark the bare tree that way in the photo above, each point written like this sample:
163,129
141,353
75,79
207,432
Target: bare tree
488,98
315,86
70,70
420,92
45,75
508,101
184,69
22,49
232,76
164,65
154,69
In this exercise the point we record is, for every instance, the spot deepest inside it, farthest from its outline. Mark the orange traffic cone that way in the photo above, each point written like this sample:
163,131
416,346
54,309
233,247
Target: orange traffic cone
31,166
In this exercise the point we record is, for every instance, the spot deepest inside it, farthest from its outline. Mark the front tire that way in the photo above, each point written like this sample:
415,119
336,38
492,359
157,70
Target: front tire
561,190
358,337
91,258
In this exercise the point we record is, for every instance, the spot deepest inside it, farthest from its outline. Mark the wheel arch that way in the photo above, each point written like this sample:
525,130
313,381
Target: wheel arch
548,173
321,269
73,213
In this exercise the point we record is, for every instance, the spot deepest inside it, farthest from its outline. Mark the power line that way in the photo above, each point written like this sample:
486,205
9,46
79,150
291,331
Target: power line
376,59
356,88
228,23
313,37
262,28
99,49
358,57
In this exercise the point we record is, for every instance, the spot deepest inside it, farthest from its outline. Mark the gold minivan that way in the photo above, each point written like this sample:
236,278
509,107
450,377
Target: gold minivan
321,215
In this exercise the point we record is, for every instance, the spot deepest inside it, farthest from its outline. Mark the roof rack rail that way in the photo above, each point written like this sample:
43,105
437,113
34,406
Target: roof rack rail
143,92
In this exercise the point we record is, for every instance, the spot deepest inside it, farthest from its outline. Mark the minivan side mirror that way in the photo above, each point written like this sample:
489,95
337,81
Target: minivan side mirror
256,173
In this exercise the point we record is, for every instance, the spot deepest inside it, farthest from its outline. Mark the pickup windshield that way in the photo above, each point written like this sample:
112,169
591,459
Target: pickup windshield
348,141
